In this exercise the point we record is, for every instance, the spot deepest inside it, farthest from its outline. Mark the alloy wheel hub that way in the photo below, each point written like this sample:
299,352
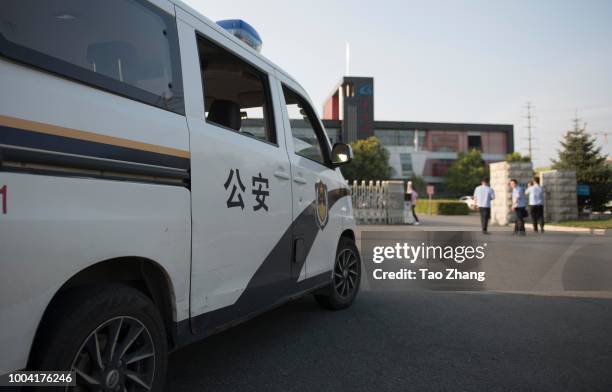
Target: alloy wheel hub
118,356
346,273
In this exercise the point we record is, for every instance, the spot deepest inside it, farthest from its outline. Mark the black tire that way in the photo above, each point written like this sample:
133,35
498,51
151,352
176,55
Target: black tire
346,278
116,313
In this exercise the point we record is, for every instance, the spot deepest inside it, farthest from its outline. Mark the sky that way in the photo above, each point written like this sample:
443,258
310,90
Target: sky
477,61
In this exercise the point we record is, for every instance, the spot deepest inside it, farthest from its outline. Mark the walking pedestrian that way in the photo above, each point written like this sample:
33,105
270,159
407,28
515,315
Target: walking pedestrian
483,194
535,195
518,205
412,195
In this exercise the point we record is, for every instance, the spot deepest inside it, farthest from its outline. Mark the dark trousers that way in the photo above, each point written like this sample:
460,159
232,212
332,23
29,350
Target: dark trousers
519,223
537,216
485,215
416,218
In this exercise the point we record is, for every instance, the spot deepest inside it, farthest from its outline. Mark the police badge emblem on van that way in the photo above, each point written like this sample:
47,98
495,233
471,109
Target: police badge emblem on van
322,204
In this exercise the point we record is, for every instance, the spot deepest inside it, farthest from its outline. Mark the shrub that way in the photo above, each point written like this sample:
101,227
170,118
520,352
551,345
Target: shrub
517,157
442,207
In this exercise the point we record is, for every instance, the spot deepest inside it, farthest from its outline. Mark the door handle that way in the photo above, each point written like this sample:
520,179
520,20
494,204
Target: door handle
299,180
281,174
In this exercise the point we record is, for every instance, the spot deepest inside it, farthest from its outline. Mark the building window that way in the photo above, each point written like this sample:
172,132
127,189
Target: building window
439,168
236,94
388,137
474,142
405,138
445,142
406,164
420,139
127,47
495,143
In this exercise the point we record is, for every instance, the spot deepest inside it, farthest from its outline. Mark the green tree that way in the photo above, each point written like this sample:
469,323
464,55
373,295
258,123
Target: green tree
578,152
370,161
517,157
466,173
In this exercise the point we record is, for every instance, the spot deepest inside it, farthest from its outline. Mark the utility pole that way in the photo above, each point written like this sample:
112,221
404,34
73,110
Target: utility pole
529,117
348,59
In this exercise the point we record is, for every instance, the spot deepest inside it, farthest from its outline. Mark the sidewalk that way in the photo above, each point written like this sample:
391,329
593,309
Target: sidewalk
577,230
472,223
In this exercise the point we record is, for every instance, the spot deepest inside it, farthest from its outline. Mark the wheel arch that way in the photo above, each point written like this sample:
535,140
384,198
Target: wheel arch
348,233
143,274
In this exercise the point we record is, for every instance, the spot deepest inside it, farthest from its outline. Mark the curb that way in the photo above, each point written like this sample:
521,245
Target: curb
584,230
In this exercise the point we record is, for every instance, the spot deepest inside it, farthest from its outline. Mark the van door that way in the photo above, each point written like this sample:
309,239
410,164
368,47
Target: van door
316,188
240,178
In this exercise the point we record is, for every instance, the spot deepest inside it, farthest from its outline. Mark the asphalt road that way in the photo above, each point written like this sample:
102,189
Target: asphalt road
427,340
400,341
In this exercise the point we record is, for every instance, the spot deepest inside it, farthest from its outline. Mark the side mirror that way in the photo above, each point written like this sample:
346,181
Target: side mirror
341,154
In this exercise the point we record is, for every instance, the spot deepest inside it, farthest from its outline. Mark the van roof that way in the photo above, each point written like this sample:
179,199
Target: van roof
212,24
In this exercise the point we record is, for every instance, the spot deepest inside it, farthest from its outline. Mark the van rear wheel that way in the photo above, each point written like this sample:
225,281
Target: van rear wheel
346,278
111,336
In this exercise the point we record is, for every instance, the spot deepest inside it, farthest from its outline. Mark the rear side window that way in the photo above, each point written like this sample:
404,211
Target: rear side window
236,94
128,47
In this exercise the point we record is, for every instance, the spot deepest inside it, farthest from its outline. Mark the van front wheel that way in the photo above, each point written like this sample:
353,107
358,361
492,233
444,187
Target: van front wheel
346,278
111,336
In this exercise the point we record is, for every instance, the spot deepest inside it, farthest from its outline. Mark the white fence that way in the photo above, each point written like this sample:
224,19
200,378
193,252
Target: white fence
378,202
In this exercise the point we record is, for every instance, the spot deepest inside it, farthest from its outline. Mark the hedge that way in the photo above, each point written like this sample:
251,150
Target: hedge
442,207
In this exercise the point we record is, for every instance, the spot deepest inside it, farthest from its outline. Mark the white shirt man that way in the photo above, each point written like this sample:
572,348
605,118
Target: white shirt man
536,204
536,195
483,194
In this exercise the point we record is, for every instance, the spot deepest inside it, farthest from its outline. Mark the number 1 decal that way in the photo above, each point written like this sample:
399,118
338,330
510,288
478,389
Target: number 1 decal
3,192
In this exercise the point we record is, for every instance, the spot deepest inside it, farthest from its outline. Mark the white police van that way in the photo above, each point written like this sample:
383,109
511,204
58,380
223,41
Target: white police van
159,181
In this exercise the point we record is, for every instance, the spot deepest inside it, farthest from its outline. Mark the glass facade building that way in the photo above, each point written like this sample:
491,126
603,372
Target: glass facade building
428,149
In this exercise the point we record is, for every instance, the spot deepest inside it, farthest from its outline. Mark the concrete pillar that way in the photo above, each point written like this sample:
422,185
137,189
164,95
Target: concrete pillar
560,197
501,173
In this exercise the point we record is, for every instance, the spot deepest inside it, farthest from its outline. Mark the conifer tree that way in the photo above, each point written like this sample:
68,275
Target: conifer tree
579,152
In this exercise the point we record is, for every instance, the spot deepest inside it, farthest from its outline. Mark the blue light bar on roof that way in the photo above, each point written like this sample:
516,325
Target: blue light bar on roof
244,31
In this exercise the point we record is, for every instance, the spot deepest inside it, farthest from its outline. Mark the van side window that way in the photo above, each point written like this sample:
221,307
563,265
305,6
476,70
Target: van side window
236,94
308,138
128,47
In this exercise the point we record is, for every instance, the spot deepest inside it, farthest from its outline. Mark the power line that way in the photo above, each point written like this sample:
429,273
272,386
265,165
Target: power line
576,121
604,134
582,108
